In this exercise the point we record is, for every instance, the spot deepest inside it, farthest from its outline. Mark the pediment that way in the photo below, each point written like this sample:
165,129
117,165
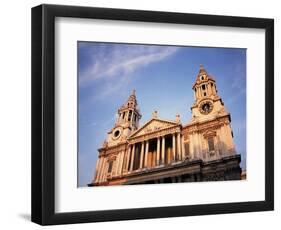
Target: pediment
153,125
209,133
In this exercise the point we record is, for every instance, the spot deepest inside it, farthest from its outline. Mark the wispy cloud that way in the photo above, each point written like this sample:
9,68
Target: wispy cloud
109,61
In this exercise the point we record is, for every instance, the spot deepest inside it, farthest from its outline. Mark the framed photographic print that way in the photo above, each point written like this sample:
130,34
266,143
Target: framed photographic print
142,114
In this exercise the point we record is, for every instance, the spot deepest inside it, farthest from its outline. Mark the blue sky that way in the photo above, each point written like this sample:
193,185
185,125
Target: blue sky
162,77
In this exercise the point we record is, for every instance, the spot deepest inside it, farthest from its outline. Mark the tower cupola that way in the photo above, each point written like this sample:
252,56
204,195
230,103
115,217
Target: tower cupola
129,113
204,86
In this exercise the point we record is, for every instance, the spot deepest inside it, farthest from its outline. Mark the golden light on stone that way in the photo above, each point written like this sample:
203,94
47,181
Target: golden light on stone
167,151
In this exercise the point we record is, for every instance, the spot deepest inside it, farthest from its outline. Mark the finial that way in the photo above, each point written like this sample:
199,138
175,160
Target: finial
178,117
134,92
202,70
154,114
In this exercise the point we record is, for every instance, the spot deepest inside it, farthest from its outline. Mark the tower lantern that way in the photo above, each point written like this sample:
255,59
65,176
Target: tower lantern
204,86
127,121
129,113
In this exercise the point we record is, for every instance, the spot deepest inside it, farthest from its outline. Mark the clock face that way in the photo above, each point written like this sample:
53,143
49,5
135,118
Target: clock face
206,107
116,133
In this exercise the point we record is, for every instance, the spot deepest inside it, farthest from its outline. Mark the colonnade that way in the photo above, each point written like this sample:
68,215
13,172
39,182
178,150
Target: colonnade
178,152
125,160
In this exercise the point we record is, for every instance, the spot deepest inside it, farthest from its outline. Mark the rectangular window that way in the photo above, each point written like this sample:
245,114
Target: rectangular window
211,144
110,164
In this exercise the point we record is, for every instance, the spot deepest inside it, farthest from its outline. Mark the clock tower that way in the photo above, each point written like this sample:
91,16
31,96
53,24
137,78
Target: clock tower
209,131
127,121
208,104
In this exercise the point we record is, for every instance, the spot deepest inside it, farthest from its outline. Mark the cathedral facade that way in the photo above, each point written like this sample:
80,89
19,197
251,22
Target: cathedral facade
167,151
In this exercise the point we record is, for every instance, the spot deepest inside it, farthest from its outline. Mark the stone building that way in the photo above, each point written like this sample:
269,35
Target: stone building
167,151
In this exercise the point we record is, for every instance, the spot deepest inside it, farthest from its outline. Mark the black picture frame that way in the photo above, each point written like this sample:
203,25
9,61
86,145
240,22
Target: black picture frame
43,114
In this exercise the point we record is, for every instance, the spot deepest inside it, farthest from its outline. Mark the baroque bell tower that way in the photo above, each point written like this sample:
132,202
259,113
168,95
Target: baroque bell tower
127,121
210,132
207,102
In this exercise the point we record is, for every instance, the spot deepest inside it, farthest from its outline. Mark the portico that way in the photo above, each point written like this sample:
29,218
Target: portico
149,148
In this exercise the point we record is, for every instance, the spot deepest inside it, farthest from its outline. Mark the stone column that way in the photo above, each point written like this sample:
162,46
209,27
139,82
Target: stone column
132,158
141,155
174,147
118,163
214,89
179,145
126,115
146,153
105,170
132,118
208,88
102,177
195,146
198,149
191,143
158,151
121,162
163,150
128,157
101,169
182,148
115,172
